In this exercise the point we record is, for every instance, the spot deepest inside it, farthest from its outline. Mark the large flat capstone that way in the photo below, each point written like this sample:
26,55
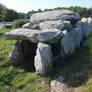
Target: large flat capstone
35,36
57,24
55,15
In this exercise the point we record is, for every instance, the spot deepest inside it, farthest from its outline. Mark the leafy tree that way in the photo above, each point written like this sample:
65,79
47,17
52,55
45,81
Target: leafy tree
29,14
47,9
2,7
22,15
39,10
9,15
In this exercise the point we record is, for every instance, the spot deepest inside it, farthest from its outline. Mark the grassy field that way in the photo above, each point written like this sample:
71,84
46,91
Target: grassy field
77,70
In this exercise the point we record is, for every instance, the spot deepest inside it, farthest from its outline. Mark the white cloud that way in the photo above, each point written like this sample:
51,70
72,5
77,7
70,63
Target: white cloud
18,5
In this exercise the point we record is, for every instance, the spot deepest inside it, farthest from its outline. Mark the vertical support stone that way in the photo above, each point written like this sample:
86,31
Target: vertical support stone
68,45
86,24
16,55
43,58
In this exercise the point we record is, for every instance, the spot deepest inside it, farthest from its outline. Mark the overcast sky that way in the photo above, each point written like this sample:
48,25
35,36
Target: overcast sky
27,5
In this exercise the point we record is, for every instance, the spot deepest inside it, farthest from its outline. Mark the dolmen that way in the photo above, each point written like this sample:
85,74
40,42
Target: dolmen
37,38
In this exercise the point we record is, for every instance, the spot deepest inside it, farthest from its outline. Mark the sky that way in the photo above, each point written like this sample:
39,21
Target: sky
28,5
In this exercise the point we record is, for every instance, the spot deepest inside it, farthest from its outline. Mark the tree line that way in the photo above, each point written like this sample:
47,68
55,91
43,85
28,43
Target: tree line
11,15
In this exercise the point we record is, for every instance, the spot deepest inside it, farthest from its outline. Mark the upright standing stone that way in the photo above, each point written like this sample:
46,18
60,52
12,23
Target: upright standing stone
16,55
86,24
71,40
43,58
76,34
67,45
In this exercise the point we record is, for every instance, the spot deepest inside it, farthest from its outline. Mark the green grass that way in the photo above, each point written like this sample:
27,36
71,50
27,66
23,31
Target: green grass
77,70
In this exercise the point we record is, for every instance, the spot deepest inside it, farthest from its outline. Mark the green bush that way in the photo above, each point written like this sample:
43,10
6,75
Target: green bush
20,22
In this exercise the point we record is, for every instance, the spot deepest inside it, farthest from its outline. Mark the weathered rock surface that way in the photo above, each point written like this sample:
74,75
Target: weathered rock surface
70,41
77,36
43,58
58,85
34,35
27,25
86,24
73,38
31,25
55,15
67,45
16,55
50,35
57,24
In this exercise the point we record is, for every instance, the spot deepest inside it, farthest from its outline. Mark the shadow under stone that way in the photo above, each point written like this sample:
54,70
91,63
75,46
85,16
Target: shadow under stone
75,68
29,52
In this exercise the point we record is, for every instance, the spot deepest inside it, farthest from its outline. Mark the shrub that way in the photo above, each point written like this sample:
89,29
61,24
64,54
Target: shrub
20,22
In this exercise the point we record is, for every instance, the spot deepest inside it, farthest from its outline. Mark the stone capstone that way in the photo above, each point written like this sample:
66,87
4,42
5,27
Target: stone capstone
55,15
43,58
57,24
35,36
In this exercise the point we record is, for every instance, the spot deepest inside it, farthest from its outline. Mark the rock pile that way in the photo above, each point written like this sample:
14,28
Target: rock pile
58,85
47,28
